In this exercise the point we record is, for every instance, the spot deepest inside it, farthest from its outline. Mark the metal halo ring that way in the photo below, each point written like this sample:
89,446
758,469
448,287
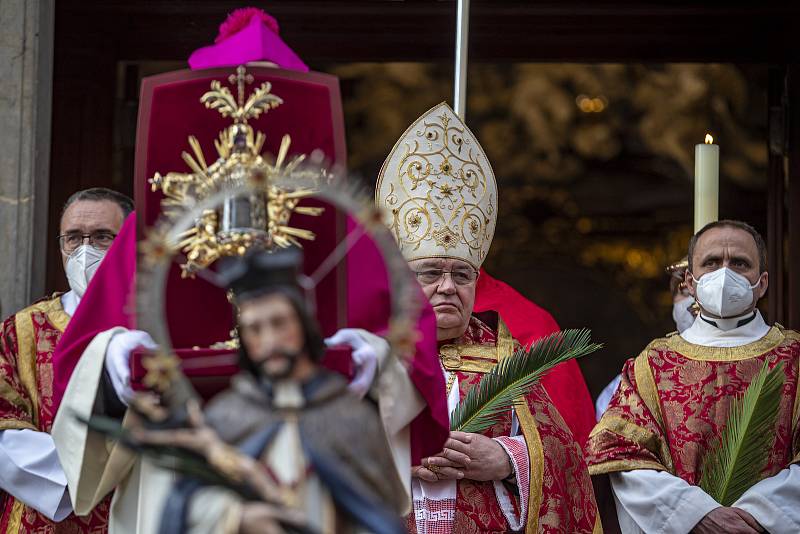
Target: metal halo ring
157,250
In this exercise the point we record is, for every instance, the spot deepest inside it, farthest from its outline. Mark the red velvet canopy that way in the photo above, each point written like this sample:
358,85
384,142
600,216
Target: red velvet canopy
170,111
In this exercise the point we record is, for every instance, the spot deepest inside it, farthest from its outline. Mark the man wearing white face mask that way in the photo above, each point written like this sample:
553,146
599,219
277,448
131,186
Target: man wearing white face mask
33,493
676,396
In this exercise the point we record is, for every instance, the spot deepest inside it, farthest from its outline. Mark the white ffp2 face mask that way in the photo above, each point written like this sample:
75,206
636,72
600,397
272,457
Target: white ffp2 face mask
682,315
724,292
81,266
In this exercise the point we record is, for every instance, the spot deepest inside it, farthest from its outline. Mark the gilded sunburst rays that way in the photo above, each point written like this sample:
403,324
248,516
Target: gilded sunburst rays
262,217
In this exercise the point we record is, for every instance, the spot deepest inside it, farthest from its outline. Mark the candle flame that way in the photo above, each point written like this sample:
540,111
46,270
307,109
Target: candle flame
709,139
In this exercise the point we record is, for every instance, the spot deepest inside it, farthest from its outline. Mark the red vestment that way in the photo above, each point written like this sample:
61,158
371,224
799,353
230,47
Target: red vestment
674,400
26,381
559,493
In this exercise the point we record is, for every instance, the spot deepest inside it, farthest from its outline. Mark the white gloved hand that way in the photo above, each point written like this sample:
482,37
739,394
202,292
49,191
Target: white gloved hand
118,355
365,358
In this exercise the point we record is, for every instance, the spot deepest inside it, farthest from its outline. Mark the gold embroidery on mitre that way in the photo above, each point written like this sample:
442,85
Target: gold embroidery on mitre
438,190
445,238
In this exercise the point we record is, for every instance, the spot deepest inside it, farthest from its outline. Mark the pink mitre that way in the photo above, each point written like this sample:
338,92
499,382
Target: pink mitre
247,35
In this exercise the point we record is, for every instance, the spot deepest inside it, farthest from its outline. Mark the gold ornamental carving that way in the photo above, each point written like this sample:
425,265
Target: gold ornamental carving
450,356
260,219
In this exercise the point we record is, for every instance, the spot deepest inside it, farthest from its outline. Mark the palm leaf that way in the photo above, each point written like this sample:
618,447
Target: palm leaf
260,101
742,450
512,378
221,99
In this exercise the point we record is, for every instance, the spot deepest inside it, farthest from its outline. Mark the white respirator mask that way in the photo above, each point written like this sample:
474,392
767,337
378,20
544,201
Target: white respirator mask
724,292
682,315
81,266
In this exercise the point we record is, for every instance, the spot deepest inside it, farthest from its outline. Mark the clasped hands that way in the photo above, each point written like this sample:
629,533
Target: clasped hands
466,455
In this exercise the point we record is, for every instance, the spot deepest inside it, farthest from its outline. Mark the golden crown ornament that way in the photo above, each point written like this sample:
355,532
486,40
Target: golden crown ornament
438,191
259,218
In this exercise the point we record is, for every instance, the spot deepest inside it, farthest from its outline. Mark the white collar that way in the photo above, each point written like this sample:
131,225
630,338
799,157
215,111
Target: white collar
70,301
703,333
287,394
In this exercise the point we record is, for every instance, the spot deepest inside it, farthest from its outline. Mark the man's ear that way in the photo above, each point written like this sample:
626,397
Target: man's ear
762,288
688,281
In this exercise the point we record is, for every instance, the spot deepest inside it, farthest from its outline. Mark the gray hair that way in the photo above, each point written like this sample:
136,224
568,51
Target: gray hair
98,194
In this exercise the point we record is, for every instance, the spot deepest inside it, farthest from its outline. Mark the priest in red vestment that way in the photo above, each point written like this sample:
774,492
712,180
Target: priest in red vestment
527,472
676,396
33,487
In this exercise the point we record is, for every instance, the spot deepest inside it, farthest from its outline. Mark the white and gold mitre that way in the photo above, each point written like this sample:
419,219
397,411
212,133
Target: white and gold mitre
438,192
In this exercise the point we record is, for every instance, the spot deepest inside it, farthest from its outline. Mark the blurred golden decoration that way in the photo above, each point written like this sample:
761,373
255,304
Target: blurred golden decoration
678,268
161,370
261,219
155,247
586,104
526,114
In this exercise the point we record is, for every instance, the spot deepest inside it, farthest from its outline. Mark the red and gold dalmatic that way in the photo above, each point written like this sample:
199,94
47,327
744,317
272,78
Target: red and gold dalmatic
555,487
674,400
26,388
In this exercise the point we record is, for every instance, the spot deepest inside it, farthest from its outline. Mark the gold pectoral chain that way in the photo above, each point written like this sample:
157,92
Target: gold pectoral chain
451,378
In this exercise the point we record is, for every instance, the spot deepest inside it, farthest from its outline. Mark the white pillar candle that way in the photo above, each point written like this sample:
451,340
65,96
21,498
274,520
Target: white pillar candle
706,183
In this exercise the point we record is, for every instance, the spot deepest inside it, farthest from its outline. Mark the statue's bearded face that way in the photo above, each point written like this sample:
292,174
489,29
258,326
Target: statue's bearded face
449,285
272,334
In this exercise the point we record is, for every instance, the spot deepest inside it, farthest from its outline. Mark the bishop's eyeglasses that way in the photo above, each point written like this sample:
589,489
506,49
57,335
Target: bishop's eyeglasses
100,239
460,277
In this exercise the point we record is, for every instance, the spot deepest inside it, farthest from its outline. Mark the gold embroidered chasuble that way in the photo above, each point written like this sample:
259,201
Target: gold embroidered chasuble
27,342
674,400
558,491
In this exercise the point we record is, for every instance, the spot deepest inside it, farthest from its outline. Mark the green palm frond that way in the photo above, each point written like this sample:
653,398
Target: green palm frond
742,449
510,379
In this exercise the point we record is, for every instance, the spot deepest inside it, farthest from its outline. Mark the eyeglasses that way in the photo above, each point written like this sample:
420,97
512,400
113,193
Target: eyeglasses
460,277
100,240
